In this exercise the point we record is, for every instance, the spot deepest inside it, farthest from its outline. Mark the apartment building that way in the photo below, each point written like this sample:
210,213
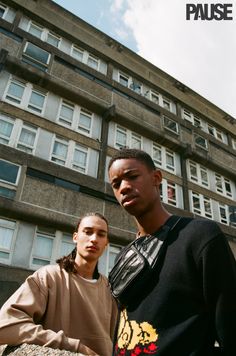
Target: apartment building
69,97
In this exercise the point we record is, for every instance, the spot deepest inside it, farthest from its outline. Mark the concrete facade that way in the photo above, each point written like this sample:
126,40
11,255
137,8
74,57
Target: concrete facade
69,97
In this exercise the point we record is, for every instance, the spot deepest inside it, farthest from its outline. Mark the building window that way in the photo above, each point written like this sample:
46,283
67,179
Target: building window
15,91
223,185
93,62
42,249
135,86
201,205
136,141
60,150
188,116
36,101
224,214
234,143
26,96
6,127
154,97
35,30
77,53
85,121
170,125
157,155
215,133
166,104
66,113
36,56
170,160
107,260
80,159
27,138
9,176
3,11
198,174
121,137
66,245
123,79
53,39
200,141
170,193
163,158
7,237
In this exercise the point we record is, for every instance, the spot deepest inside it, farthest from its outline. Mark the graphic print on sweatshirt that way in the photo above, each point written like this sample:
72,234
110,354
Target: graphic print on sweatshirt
135,338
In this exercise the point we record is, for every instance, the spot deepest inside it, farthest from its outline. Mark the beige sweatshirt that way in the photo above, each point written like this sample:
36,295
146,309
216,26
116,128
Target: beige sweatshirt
60,310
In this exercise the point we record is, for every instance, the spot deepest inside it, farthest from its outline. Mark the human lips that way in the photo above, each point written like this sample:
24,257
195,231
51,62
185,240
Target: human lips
128,200
92,248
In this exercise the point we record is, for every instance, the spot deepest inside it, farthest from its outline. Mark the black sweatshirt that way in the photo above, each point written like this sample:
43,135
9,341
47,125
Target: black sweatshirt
192,305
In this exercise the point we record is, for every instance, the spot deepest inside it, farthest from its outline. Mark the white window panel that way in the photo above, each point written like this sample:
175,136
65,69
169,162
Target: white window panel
9,172
155,97
42,249
9,176
107,260
170,160
80,159
200,141
171,193
27,138
6,127
35,30
224,213
123,79
66,245
234,143
198,173
136,86
166,104
66,112
157,155
170,125
121,137
36,101
93,62
223,185
3,11
201,205
53,39
77,53
36,56
85,122
15,91
136,141
60,151
7,239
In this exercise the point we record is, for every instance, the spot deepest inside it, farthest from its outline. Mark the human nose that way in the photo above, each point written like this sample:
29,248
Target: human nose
93,237
124,186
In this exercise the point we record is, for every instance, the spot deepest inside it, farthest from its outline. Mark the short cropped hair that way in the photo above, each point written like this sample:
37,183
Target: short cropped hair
129,153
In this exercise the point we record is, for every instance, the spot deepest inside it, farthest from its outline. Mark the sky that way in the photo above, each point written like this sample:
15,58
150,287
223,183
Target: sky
200,54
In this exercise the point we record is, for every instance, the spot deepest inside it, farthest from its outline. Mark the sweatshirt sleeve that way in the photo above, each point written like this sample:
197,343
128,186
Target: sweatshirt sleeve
219,286
20,319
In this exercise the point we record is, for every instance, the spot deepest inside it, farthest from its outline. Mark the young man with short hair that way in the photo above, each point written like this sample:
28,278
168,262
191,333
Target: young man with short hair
189,303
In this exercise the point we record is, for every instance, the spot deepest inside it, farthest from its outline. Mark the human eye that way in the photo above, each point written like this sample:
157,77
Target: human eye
88,231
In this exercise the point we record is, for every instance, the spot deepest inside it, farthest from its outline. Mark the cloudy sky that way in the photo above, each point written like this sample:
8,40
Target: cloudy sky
200,54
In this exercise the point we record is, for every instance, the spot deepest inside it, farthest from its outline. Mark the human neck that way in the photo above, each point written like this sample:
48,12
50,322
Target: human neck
85,269
151,222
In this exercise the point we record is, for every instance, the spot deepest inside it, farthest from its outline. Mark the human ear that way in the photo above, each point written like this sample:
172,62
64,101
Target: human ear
75,236
157,175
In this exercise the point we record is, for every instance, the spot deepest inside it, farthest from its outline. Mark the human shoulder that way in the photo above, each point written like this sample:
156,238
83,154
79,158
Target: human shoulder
48,274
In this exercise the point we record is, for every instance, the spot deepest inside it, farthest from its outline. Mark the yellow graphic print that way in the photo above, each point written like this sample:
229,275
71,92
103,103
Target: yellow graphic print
132,334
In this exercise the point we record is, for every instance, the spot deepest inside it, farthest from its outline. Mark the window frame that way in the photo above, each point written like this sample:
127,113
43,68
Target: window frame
13,239
34,61
170,121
